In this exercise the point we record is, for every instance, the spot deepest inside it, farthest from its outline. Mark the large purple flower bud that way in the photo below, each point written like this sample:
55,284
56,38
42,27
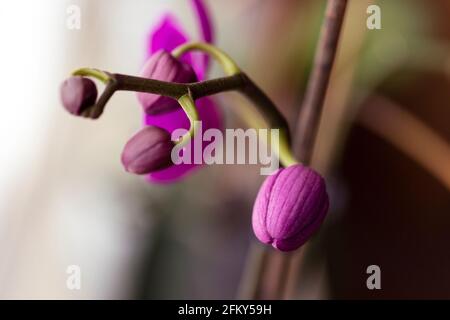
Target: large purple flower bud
290,206
78,94
148,150
163,66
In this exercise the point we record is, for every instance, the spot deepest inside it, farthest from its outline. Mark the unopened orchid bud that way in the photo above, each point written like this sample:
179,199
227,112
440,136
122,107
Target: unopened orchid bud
290,207
164,67
78,94
148,150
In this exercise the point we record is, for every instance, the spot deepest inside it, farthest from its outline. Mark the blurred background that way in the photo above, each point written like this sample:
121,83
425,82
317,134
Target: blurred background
383,146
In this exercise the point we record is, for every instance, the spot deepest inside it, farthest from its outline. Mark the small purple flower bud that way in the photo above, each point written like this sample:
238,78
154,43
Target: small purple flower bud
148,150
163,66
290,207
78,94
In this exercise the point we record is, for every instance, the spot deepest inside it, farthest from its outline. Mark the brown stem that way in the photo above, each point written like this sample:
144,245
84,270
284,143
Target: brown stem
96,111
139,84
240,82
218,85
309,116
176,90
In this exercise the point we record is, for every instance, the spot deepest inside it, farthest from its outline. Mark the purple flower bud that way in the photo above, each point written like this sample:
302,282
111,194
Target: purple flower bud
78,94
163,66
147,151
290,206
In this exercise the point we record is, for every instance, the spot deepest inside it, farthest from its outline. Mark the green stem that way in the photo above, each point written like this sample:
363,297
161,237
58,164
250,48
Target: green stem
285,152
272,118
229,66
186,93
188,105
95,73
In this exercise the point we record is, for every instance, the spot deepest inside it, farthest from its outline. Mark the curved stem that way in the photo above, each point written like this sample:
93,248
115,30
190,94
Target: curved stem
186,93
95,73
272,118
188,105
229,66
283,148
308,122
285,151
96,111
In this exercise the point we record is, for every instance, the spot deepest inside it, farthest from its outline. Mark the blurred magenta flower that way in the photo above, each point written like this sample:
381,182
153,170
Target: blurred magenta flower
167,35
290,207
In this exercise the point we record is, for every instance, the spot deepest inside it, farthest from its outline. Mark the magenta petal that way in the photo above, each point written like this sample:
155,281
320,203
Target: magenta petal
204,20
201,61
261,206
211,118
168,34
